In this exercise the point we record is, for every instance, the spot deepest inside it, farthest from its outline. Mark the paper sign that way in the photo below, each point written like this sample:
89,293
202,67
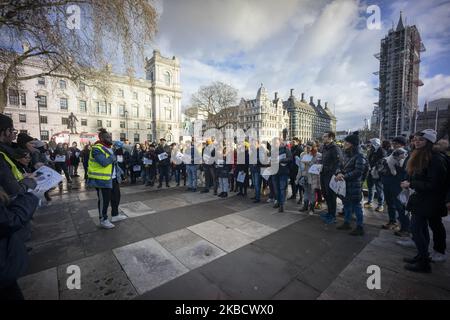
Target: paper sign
337,186
119,159
77,154
136,168
315,169
162,156
179,156
282,156
46,178
206,158
307,158
220,162
241,177
60,158
147,161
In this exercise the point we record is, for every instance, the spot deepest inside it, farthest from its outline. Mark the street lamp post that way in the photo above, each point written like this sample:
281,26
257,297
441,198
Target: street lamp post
37,98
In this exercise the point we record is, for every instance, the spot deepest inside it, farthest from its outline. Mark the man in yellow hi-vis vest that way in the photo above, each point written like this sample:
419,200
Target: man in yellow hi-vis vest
104,175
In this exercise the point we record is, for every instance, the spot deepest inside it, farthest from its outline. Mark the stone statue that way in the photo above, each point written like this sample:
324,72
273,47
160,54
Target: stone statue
72,123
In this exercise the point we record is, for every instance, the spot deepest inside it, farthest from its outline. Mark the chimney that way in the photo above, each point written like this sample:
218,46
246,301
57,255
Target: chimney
292,92
303,96
276,95
318,102
311,100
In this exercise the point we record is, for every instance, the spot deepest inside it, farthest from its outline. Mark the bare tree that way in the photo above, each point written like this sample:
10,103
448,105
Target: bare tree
45,32
217,101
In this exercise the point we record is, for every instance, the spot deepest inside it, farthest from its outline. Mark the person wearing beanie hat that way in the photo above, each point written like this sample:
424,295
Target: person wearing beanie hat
399,140
375,157
352,172
23,139
428,172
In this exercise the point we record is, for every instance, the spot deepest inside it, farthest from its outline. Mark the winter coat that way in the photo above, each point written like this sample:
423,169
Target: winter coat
223,169
159,150
311,179
13,254
353,170
284,164
331,159
136,158
100,158
431,187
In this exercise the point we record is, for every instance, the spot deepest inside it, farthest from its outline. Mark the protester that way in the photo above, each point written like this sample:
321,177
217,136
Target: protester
428,173
136,163
163,153
352,173
150,167
296,151
104,175
60,157
280,179
85,159
74,160
222,173
192,165
242,168
375,156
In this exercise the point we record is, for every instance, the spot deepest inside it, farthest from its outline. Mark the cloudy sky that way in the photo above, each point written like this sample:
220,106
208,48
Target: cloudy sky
319,47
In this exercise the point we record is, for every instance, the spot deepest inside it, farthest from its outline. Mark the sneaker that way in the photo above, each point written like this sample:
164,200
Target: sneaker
379,209
407,243
389,226
438,257
269,200
358,231
119,217
106,224
330,220
368,205
344,226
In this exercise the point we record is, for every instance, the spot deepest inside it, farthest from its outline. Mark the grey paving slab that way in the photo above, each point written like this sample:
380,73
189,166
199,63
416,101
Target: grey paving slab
54,253
148,265
166,203
255,229
250,273
225,238
52,226
271,217
297,290
190,249
125,232
42,285
196,197
232,220
190,286
136,209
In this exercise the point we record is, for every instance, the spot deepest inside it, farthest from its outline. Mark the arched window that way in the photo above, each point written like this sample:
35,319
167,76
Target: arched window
167,78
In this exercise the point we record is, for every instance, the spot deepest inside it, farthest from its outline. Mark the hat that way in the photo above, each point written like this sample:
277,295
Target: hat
118,144
37,144
353,138
400,140
5,122
23,139
429,134
376,143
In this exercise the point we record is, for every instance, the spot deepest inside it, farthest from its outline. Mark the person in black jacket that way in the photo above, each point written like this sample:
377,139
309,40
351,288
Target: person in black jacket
136,163
296,150
375,157
163,153
14,216
331,162
352,172
223,170
428,176
280,179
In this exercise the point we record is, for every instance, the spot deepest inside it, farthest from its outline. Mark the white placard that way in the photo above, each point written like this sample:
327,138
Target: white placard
136,168
307,158
282,156
147,161
337,186
241,177
404,195
315,169
206,158
77,154
46,178
119,158
163,156
220,162
179,156
60,158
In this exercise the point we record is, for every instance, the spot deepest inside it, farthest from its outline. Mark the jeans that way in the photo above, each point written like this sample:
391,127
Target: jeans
62,166
330,195
256,181
420,235
210,177
395,206
280,186
191,171
106,196
371,183
223,185
350,207
163,173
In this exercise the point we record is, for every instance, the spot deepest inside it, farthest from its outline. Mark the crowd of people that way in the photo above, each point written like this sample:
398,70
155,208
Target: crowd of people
409,176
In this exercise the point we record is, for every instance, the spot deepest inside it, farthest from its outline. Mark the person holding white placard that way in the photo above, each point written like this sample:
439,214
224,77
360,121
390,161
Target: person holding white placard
61,156
280,179
150,165
310,182
242,169
136,163
163,153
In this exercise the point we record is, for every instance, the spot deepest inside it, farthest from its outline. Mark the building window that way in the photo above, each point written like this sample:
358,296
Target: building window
149,137
84,122
63,103
83,106
62,84
135,95
22,117
99,123
41,81
23,99
82,87
109,108
149,125
136,125
147,97
13,97
168,114
136,137
122,110
43,119
148,112
122,124
64,121
167,78
123,136
121,93
44,135
42,102
108,123
135,111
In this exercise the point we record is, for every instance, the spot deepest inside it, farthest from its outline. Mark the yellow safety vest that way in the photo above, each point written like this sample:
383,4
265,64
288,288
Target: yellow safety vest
15,171
95,169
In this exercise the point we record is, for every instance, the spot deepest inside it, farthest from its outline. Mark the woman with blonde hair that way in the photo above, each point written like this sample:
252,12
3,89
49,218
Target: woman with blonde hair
310,182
